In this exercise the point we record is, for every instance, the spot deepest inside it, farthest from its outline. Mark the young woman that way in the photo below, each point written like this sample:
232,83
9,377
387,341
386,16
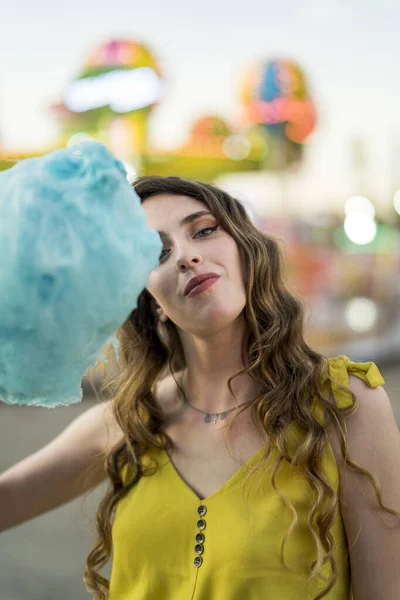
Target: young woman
242,463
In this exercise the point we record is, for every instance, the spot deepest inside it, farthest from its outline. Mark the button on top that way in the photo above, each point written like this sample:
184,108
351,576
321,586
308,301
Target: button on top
202,510
201,524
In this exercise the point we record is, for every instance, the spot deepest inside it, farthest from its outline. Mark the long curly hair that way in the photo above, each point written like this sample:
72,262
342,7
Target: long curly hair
275,355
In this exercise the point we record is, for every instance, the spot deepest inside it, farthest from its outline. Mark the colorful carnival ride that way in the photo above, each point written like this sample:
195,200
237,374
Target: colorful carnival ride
344,265
113,97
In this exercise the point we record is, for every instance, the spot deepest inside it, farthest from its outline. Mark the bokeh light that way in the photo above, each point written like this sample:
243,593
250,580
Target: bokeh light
361,314
236,147
131,172
396,202
360,228
359,204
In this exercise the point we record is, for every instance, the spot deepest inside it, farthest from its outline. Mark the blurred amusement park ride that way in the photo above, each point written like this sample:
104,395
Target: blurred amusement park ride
345,266
113,97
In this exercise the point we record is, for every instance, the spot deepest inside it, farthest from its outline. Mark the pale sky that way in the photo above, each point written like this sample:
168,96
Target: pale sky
349,52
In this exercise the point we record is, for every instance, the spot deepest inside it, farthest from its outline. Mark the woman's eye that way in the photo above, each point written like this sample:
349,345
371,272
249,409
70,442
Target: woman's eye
212,229
207,229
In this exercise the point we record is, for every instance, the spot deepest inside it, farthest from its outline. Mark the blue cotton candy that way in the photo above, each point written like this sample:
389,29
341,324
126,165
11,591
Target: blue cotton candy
75,254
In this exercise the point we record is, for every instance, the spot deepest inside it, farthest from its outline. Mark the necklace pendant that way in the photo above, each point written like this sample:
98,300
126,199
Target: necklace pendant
215,419
207,419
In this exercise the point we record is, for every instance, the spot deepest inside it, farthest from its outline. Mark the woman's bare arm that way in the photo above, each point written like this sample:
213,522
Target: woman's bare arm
64,469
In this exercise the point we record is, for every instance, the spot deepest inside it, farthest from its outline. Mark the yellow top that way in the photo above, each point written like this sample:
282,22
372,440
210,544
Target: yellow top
158,524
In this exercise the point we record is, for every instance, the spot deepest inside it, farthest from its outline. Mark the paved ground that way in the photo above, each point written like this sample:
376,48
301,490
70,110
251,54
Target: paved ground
44,559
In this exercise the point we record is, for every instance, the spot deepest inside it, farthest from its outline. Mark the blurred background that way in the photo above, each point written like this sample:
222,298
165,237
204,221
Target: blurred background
291,107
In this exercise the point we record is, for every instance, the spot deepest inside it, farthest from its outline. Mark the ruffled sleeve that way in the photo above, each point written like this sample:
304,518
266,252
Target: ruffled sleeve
339,369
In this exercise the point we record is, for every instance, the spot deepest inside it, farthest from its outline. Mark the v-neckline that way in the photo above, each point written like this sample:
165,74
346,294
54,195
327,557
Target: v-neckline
227,483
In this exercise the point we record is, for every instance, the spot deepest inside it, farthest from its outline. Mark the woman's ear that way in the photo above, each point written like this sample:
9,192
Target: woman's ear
158,311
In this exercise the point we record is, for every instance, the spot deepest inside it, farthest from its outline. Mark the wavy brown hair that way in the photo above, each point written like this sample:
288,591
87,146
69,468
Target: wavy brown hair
275,355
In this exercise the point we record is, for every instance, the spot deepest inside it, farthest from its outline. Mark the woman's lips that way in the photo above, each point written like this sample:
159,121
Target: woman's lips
202,286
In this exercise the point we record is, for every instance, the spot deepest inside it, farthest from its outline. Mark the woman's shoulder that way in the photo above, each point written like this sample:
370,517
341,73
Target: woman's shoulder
108,430
339,369
109,433
342,378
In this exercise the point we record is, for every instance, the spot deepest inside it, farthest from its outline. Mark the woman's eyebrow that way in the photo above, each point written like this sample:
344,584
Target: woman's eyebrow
185,220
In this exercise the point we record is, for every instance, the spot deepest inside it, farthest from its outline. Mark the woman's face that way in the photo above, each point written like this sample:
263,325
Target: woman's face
188,251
